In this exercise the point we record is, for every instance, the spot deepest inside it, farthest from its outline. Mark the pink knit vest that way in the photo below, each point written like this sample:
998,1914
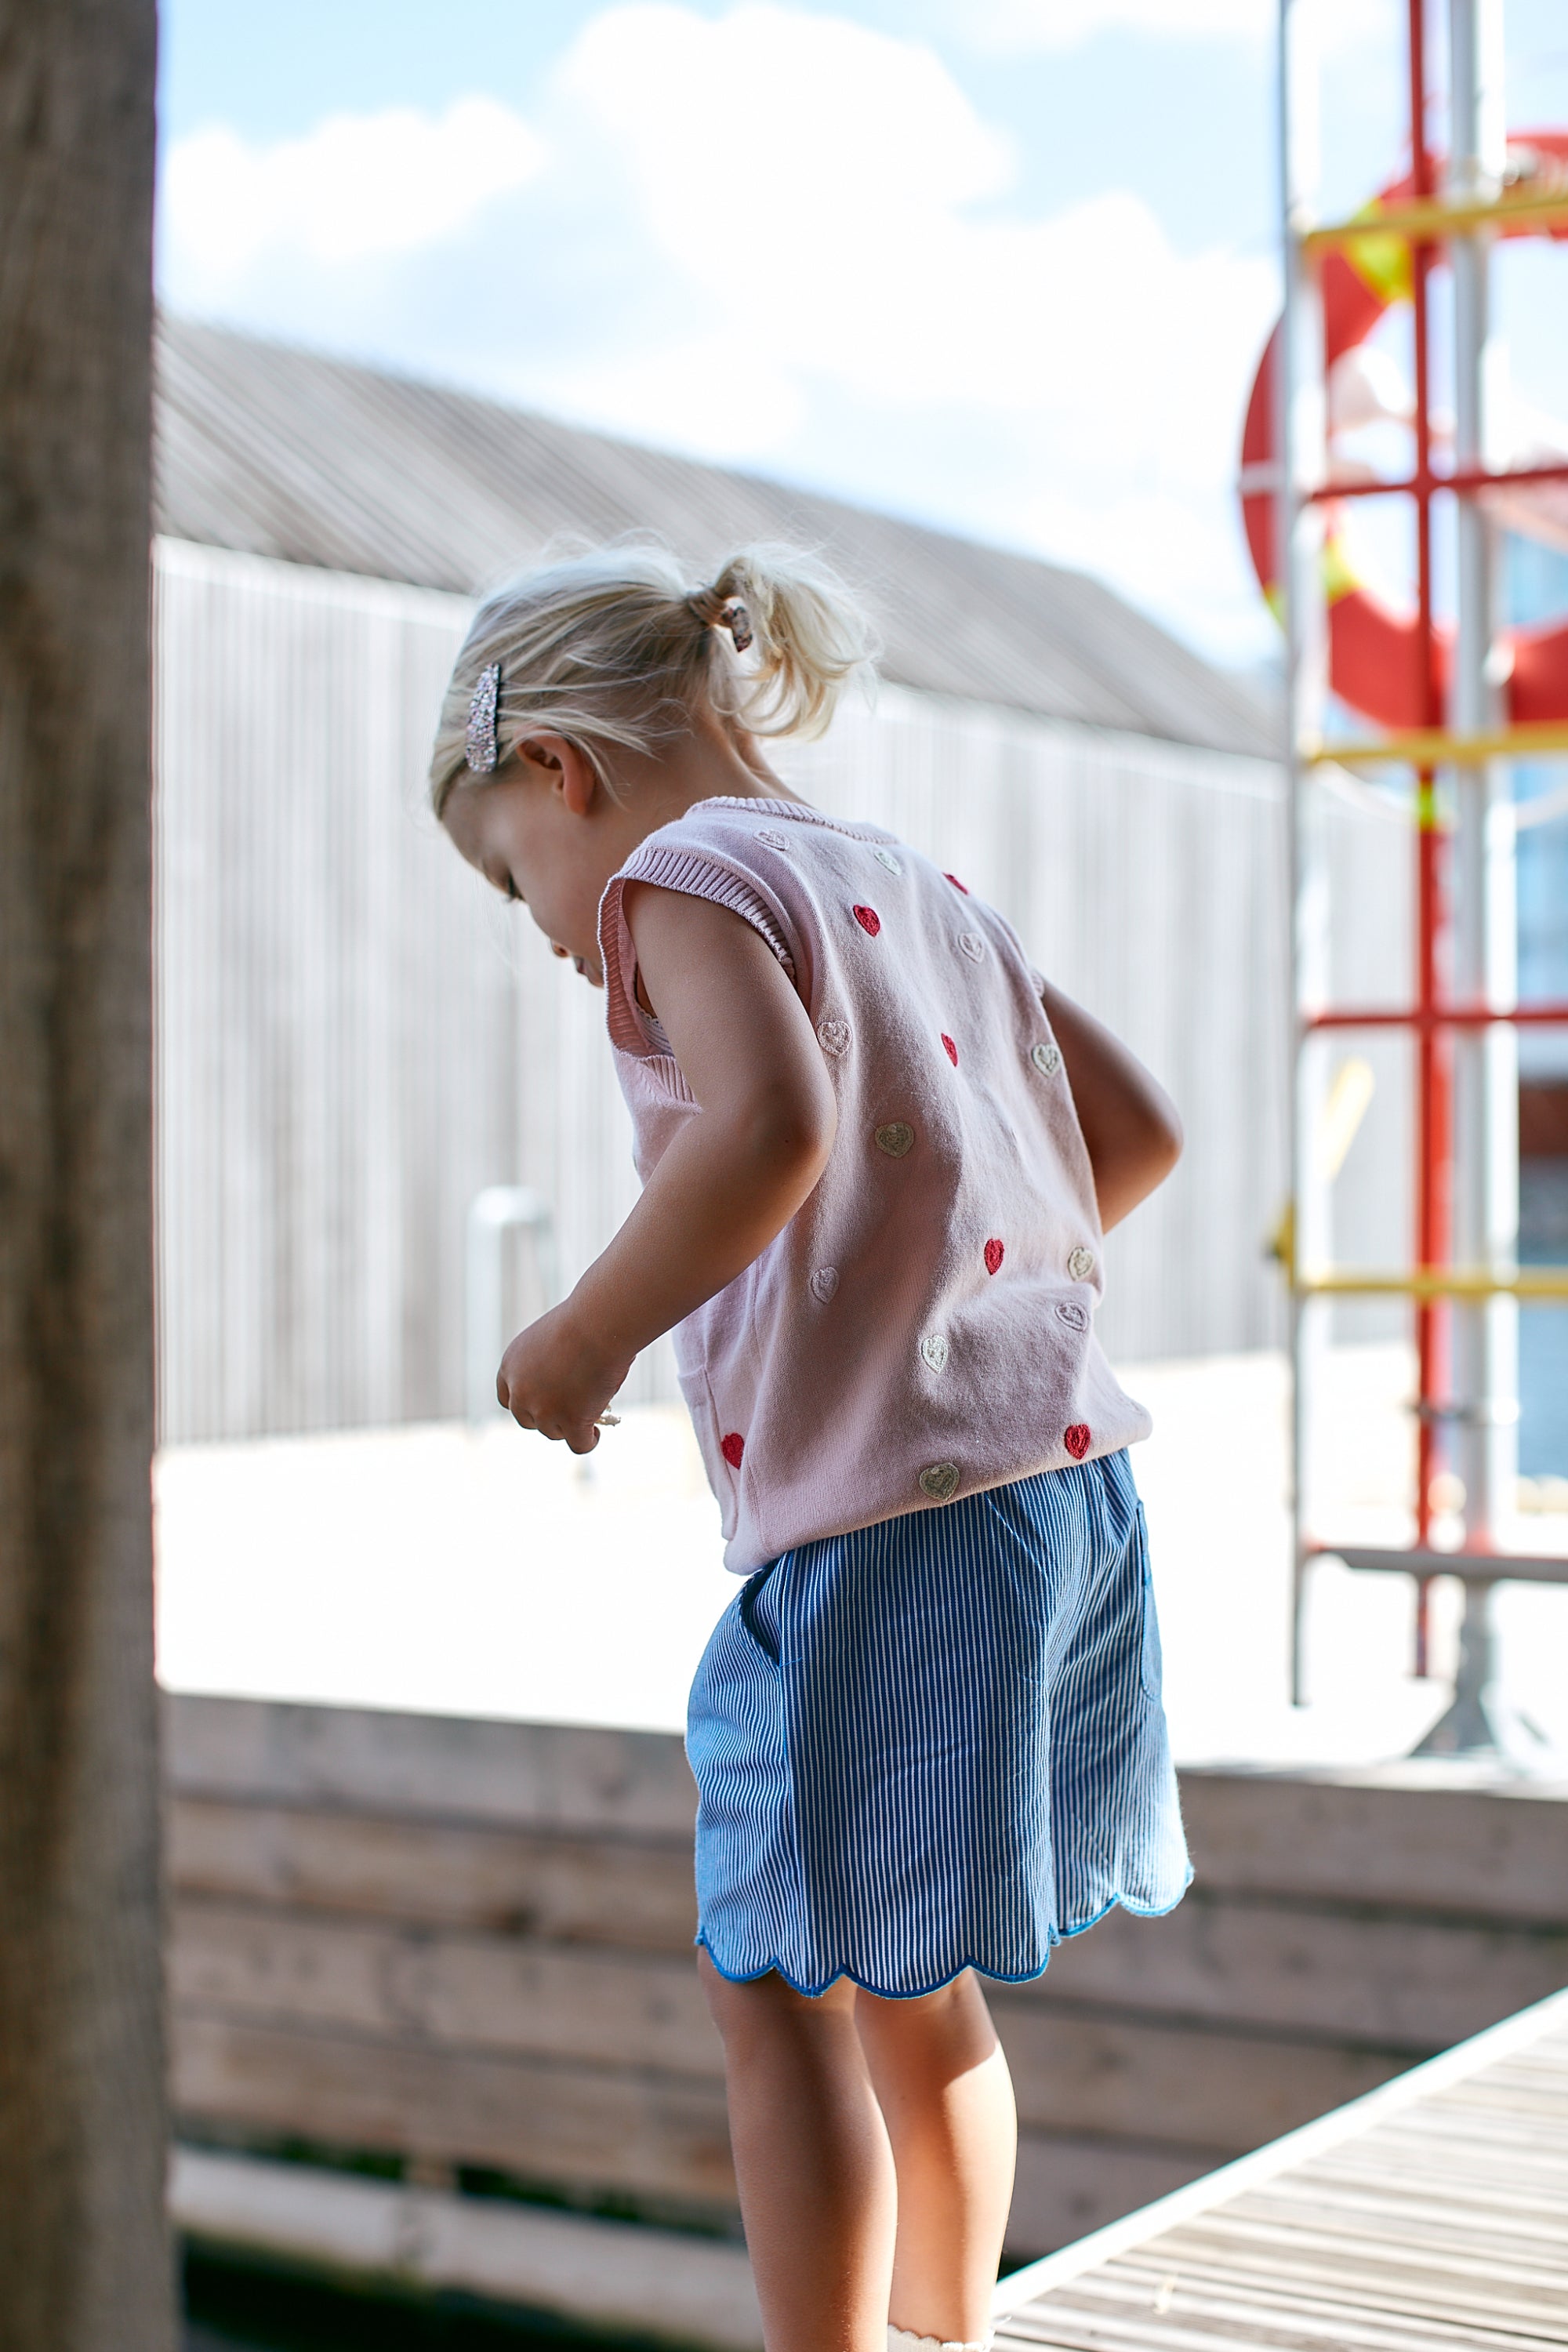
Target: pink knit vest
923,1327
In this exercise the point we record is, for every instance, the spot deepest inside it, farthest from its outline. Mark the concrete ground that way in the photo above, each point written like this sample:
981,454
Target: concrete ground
486,1572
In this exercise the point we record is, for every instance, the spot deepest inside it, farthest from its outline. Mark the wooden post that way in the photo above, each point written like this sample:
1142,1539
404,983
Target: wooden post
84,2254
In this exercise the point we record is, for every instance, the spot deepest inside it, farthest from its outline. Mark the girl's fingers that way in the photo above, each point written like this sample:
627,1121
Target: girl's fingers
577,1436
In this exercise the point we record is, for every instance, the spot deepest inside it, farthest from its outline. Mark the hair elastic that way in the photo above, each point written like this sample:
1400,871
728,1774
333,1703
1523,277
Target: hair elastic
723,612
482,749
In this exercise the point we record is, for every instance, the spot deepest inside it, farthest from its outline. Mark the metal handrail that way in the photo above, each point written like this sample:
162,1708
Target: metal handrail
499,1210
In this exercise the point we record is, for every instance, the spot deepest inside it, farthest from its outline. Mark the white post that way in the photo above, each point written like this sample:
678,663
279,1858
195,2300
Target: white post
1486,1192
499,1210
1299,400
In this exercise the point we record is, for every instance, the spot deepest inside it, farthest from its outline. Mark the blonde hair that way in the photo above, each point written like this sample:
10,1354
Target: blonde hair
614,647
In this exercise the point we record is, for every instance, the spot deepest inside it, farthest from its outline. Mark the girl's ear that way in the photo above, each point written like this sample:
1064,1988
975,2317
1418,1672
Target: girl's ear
562,764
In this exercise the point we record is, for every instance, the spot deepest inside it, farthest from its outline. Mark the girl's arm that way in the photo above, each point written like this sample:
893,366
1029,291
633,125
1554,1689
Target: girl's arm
1128,1121
730,1181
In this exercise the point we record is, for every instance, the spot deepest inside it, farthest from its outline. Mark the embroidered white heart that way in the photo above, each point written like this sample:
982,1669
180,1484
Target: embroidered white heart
885,858
773,840
896,1139
1047,1059
824,1282
933,1348
1071,1312
972,943
1080,1265
833,1035
939,1480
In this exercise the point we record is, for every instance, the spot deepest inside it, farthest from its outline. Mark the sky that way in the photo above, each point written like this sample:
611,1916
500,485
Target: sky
1004,266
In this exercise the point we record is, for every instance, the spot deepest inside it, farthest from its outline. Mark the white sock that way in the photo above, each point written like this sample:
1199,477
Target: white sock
899,2339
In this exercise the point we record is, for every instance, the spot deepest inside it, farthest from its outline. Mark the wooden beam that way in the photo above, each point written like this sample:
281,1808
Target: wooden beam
563,1778
1152,2080
1067,2185
1158,2082
575,1889
605,2278
1400,1838
455,1992
1352,1973
84,2256
597,2130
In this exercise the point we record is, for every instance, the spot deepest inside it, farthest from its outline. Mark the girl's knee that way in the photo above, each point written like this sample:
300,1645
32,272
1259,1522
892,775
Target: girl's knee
769,2004
954,2018
959,1997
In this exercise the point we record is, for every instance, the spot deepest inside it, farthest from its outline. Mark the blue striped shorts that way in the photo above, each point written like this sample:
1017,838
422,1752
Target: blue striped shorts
937,1743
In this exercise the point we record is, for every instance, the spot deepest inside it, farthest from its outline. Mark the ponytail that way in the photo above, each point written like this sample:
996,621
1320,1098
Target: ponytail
809,638
612,648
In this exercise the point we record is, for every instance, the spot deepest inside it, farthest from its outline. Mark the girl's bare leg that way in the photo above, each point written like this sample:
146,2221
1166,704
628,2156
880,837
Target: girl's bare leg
942,2085
812,2162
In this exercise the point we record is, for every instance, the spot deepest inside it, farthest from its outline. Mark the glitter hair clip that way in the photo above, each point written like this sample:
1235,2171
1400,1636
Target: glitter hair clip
724,613
482,752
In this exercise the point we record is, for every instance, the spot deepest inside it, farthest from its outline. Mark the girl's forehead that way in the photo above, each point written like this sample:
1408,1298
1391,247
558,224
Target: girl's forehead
472,815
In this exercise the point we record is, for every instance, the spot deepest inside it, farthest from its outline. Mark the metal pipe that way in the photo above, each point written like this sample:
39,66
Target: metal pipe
1444,1016
1301,411
1484,1435
499,1210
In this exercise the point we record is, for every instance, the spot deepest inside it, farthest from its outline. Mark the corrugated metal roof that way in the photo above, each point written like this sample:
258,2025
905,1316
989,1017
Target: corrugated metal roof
319,461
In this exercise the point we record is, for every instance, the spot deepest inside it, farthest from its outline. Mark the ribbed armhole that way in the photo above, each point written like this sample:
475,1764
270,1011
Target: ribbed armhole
696,878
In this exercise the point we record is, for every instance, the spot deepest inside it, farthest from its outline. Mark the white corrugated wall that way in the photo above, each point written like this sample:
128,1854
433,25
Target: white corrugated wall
354,1037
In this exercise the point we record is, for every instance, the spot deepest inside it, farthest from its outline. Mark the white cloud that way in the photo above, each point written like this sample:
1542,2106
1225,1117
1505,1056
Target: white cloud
784,239
356,186
1061,24
836,203
769,130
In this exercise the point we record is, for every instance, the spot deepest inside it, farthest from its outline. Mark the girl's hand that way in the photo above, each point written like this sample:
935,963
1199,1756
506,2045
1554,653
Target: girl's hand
554,1379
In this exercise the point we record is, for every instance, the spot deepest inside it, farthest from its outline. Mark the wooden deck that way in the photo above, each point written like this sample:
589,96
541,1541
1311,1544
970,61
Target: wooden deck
1431,2214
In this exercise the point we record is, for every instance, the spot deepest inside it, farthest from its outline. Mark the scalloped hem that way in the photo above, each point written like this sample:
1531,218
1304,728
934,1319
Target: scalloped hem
776,1968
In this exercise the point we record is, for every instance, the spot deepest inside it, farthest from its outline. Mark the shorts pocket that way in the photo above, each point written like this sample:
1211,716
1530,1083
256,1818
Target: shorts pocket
756,1615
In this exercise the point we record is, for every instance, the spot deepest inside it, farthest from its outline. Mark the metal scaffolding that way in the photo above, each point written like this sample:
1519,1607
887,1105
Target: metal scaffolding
1465,1283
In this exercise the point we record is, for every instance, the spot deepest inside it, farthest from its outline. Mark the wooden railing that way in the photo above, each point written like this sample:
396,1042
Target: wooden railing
463,1948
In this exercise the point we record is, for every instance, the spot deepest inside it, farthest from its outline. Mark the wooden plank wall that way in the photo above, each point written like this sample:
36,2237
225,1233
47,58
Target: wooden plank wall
354,1039
468,1945
337,1048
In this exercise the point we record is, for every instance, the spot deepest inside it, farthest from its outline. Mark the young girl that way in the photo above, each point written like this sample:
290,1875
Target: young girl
879,1153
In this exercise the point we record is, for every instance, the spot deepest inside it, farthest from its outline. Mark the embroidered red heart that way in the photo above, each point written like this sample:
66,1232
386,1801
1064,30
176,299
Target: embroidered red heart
951,1049
868,920
993,1256
735,1446
956,883
1077,1440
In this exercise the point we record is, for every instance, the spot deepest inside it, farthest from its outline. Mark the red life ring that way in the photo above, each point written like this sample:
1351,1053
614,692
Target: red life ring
1374,662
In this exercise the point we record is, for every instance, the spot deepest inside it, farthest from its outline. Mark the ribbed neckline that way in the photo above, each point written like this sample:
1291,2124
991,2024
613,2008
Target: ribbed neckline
800,810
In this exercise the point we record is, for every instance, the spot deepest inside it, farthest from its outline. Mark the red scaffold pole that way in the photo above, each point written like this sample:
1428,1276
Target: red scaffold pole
1462,479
